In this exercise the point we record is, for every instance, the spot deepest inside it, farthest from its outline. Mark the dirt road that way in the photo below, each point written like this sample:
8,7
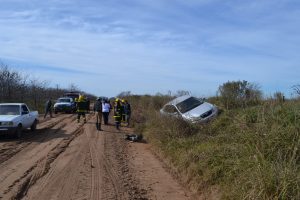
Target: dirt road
64,159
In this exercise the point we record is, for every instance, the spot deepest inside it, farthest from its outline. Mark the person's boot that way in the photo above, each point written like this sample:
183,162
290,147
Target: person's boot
99,125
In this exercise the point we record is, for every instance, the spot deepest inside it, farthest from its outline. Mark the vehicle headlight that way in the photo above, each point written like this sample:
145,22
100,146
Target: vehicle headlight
7,123
195,118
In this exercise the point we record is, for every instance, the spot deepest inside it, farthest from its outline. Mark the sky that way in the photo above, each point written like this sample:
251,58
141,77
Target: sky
147,46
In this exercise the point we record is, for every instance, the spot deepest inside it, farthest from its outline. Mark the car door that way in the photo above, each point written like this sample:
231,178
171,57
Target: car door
26,119
73,106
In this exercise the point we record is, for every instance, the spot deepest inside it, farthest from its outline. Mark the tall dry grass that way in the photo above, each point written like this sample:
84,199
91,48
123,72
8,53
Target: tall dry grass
249,153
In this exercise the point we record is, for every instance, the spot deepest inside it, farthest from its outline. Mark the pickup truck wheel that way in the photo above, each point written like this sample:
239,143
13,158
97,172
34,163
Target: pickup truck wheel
18,132
33,126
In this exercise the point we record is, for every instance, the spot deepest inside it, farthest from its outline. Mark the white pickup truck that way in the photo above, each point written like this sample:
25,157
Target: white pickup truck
15,117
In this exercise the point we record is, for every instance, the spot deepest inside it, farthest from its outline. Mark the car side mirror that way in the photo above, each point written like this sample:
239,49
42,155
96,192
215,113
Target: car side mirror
25,112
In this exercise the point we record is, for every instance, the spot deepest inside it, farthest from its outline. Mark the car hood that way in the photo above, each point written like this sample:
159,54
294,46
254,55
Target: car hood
62,104
6,118
198,111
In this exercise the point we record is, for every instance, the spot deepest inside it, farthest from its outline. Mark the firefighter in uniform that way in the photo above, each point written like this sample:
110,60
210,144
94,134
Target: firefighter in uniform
118,111
81,108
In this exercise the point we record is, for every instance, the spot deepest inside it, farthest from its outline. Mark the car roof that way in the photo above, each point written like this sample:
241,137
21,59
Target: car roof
178,100
13,104
71,94
67,93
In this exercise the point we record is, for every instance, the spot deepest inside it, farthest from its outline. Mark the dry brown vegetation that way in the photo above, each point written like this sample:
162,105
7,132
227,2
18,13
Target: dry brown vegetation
250,151
18,87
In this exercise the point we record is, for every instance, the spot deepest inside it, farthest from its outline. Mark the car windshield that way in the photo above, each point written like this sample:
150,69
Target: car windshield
73,96
9,110
188,104
63,100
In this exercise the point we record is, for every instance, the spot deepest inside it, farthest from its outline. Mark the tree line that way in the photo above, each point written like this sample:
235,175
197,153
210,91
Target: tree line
18,87
237,94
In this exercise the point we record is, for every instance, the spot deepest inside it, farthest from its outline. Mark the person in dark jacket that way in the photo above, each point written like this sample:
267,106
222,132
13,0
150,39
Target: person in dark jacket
127,110
98,111
48,108
88,103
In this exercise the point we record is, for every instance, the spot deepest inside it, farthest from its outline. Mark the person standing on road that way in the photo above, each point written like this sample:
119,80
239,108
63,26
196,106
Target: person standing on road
127,111
81,108
48,108
88,103
124,111
105,111
98,111
118,111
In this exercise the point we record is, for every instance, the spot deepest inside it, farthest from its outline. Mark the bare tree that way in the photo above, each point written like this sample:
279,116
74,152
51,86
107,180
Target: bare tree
9,82
17,87
182,93
73,87
124,94
296,89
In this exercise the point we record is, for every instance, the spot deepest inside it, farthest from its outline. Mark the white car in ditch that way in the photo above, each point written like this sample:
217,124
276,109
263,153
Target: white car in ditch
15,117
190,108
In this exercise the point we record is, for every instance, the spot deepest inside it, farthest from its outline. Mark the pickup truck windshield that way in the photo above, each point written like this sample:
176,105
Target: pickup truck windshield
63,100
9,110
189,104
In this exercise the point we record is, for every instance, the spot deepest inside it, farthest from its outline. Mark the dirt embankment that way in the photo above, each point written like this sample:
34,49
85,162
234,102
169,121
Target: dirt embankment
64,159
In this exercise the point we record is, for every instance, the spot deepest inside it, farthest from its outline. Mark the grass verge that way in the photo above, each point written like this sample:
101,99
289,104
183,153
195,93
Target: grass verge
249,153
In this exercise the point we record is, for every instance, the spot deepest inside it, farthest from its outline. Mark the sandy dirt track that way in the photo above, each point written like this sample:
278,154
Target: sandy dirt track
64,160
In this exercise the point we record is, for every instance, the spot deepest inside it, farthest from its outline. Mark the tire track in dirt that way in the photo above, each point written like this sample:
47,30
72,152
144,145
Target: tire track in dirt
9,148
95,165
39,167
13,148
44,166
70,174
125,186
75,161
111,167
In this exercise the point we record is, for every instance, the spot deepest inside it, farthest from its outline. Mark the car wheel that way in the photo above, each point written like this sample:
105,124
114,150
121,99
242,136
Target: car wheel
18,132
33,126
55,112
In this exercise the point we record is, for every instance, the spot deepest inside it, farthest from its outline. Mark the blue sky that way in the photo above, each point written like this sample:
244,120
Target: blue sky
149,46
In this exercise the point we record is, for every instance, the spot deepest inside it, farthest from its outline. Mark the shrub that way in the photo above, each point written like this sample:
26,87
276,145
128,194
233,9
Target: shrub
236,94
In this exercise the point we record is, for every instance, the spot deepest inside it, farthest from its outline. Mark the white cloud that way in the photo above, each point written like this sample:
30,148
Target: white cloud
154,45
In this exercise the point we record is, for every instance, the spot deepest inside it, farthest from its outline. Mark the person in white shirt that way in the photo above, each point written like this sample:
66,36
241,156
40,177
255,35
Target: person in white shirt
105,111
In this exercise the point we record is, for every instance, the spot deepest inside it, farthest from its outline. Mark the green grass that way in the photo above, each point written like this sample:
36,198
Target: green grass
250,153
